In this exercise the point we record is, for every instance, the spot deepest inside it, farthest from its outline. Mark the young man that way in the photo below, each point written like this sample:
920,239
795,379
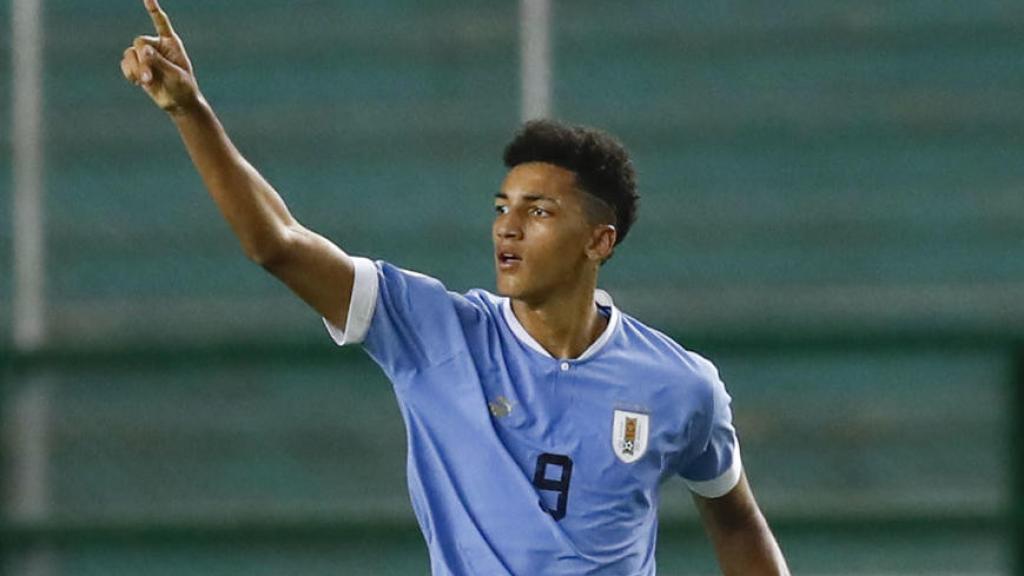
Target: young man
541,422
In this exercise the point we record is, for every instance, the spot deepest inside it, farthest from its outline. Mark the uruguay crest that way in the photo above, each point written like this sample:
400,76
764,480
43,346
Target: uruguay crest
629,435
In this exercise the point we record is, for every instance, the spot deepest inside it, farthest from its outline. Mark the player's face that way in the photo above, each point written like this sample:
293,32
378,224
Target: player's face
541,232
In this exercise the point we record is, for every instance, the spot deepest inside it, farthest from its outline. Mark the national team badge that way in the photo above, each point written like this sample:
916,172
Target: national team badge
629,435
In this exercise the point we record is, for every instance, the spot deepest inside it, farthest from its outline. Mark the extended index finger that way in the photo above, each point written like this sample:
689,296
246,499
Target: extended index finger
160,20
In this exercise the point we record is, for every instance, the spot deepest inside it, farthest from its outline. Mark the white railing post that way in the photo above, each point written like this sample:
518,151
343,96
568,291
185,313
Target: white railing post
535,58
27,416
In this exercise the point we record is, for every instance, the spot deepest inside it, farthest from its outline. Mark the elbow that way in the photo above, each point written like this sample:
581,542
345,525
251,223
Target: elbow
269,251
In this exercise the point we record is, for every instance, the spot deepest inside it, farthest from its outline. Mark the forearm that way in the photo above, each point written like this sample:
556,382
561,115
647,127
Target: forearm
313,267
256,213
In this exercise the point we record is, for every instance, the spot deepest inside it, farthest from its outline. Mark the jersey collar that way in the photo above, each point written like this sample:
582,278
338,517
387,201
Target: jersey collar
601,299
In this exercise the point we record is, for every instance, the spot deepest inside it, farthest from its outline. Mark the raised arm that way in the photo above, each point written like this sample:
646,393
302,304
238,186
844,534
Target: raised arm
314,268
743,542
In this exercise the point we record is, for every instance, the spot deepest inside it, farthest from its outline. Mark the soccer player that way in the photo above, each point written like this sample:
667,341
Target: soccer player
541,421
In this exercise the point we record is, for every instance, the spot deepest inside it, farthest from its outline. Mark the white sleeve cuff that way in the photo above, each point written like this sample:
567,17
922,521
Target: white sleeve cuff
361,305
718,487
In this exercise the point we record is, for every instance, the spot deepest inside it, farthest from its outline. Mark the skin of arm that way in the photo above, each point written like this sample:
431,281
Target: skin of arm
743,542
310,265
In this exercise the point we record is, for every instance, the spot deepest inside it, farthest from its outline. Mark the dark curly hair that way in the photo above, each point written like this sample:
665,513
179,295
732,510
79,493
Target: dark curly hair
602,166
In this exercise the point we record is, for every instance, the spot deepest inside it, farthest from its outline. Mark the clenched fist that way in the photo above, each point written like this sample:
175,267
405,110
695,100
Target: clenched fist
159,64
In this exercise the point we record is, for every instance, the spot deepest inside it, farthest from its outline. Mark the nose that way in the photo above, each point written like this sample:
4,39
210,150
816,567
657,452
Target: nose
508,227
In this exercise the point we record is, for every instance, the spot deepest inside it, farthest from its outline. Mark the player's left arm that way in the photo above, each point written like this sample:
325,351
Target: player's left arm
743,542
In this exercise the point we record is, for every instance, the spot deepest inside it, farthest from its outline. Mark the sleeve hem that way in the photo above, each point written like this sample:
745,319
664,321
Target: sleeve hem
360,307
718,487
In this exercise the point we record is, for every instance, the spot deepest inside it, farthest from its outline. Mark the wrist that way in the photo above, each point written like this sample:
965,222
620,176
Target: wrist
196,105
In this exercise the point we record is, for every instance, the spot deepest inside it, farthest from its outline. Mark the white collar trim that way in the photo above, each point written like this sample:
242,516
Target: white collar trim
601,298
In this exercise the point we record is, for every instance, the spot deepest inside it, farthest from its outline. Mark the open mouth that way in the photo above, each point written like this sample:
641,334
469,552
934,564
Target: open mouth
508,259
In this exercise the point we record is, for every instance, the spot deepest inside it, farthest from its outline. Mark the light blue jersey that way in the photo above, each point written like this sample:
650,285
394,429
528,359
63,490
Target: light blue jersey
523,464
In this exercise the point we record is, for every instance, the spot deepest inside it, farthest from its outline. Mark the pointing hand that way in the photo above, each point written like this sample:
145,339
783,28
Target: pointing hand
160,65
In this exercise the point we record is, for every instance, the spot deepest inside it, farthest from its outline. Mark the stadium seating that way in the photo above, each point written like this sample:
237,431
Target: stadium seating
808,169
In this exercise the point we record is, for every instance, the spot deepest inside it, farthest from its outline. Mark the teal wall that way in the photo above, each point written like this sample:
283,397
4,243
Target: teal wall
807,163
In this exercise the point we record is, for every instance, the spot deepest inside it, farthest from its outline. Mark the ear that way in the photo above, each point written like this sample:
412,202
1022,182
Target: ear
602,242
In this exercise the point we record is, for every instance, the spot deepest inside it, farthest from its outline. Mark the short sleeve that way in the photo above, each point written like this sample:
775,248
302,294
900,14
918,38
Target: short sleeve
716,467
360,307
404,320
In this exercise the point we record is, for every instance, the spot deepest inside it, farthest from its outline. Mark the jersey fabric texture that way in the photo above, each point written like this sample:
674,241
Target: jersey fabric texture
520,463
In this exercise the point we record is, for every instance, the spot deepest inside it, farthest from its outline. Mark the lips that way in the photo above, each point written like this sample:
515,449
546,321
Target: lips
507,259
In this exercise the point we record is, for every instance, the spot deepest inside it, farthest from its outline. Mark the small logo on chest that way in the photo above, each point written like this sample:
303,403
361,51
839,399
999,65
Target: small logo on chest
500,407
629,435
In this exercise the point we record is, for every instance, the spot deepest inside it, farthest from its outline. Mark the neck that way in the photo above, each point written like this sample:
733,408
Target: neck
564,324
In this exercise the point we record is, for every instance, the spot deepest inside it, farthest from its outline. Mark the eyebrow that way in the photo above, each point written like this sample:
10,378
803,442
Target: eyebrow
528,197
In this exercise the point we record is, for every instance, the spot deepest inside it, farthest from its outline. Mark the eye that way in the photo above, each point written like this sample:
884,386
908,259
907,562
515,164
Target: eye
501,209
538,211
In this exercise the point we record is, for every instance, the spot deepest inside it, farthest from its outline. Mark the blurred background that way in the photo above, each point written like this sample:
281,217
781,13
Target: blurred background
833,211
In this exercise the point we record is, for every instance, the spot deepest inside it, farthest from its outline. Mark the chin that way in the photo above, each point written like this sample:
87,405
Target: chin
511,287
506,288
